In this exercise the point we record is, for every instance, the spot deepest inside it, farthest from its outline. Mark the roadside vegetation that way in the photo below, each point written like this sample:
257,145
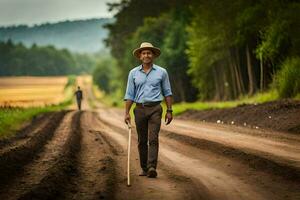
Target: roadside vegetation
212,50
179,108
13,118
19,60
218,54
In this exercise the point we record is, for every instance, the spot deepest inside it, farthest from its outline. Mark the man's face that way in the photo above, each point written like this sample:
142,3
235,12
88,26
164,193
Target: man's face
146,56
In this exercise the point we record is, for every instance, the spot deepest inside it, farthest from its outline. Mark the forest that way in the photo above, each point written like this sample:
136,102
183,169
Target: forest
18,60
82,36
213,50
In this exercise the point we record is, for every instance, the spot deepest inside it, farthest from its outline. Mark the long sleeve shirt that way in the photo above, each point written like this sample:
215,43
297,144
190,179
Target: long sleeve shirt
145,87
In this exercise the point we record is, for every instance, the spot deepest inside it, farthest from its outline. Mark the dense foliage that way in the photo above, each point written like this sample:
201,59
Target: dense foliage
105,75
287,80
19,60
213,49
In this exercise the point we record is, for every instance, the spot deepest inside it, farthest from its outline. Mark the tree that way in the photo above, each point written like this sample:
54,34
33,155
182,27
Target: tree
105,75
16,59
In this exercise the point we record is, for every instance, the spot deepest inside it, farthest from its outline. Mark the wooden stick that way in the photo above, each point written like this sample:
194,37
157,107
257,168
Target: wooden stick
128,160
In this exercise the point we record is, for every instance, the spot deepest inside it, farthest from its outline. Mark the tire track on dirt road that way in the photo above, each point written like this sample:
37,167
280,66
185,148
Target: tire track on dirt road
170,183
23,150
46,176
206,185
227,178
272,147
95,177
212,171
279,156
256,161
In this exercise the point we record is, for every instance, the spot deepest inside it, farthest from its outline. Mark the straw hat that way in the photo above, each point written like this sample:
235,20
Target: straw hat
146,45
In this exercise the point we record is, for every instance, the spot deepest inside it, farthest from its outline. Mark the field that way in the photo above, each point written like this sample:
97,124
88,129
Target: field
23,98
71,154
32,91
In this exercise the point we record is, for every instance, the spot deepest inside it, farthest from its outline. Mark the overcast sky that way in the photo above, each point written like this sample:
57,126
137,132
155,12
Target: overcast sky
30,12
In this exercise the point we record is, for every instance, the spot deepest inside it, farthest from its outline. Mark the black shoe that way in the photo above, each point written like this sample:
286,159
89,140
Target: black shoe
152,173
143,173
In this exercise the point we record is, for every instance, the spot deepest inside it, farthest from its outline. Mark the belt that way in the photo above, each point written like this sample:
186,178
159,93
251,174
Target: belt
148,104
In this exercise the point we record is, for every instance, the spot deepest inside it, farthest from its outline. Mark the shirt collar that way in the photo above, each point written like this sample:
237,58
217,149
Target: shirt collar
141,67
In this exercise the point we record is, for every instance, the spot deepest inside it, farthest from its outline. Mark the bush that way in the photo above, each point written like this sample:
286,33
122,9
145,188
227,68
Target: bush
71,81
288,78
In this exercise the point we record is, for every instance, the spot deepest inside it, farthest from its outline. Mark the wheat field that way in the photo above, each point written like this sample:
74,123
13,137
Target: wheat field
32,91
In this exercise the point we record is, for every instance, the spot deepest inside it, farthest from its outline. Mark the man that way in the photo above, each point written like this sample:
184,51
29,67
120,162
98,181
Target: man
79,97
147,85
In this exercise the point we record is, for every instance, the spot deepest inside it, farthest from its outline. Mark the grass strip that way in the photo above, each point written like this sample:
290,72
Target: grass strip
12,118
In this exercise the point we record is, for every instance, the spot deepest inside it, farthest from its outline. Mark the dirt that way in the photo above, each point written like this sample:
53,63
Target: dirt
26,129
281,115
21,151
225,162
83,155
252,160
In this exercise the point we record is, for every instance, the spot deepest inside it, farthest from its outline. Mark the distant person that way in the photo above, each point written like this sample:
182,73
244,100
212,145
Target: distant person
79,97
148,84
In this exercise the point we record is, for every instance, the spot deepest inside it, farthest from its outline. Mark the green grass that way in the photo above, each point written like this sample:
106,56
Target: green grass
182,107
258,98
11,119
71,81
288,79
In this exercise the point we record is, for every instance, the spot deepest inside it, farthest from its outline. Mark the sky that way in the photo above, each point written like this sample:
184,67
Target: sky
31,12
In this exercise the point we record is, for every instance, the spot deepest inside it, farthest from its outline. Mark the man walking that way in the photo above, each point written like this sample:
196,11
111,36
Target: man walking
79,97
147,85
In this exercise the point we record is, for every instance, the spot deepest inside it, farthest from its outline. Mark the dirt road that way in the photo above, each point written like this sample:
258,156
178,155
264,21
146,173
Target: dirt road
83,155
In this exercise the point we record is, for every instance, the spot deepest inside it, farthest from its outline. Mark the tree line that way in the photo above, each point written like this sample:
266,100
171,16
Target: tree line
19,60
213,50
82,36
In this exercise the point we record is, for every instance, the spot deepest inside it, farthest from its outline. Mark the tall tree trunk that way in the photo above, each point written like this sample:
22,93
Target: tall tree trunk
175,89
233,79
239,71
261,73
250,72
181,89
219,81
226,86
217,96
234,61
238,80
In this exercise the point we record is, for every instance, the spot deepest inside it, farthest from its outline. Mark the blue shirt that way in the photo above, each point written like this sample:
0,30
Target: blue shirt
145,87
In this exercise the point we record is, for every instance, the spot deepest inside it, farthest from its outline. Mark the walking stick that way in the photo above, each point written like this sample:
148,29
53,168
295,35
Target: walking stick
128,160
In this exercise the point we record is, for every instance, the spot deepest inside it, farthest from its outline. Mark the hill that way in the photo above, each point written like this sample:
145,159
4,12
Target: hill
83,36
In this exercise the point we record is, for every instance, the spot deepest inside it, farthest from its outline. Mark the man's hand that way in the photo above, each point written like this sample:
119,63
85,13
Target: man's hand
127,119
128,105
168,118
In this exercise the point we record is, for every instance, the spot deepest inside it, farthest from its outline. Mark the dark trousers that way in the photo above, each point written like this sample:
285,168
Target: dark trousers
78,104
148,121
